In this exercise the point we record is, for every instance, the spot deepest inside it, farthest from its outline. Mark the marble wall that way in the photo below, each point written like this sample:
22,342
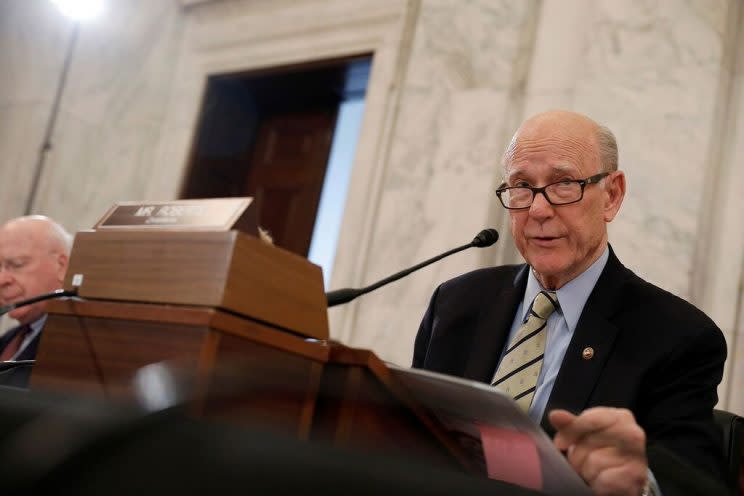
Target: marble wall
32,47
111,111
451,80
460,103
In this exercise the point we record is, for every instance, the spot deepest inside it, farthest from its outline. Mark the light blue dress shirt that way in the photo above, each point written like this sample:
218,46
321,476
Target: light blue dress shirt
560,327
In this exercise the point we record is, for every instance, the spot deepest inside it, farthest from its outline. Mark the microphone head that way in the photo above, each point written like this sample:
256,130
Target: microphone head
486,237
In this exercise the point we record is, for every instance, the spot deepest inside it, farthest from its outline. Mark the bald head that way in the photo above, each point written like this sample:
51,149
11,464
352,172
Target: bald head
569,130
34,252
43,230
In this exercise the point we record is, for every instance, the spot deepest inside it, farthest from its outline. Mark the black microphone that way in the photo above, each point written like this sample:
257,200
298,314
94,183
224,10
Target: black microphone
485,238
59,293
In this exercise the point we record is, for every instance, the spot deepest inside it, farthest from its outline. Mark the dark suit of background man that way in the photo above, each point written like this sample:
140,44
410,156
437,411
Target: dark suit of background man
34,251
636,366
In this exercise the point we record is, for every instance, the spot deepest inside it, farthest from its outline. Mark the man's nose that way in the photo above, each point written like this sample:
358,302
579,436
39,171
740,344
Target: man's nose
6,276
541,207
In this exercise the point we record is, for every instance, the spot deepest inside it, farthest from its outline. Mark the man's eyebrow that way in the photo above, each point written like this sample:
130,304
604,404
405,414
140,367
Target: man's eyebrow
572,169
519,172
564,168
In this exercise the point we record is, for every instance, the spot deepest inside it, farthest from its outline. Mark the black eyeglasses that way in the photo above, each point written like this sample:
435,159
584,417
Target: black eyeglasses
558,193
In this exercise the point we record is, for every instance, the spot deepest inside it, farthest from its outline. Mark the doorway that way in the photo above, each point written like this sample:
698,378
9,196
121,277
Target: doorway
269,135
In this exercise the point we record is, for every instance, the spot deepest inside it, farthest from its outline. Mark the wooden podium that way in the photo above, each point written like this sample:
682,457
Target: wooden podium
243,321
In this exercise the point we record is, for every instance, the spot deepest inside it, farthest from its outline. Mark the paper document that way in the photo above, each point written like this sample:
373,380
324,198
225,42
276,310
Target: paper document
494,432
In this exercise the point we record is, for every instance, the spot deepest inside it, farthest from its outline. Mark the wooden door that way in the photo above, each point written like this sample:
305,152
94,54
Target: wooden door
288,165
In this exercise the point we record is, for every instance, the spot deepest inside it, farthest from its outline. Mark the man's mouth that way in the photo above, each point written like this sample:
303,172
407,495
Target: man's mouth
5,300
544,240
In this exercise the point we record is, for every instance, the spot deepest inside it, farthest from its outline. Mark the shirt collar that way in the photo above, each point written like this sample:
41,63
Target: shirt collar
573,295
38,324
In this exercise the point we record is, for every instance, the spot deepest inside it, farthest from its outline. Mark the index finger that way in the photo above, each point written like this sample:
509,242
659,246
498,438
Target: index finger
560,418
593,420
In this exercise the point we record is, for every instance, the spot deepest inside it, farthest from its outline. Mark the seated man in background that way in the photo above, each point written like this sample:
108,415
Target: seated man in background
34,252
622,372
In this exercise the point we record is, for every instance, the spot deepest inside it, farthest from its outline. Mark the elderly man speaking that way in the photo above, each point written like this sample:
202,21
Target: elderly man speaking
34,251
622,372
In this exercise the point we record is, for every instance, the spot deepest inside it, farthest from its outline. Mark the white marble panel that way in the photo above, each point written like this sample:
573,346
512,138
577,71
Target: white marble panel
33,40
467,62
734,380
651,73
557,56
720,271
21,134
453,193
112,111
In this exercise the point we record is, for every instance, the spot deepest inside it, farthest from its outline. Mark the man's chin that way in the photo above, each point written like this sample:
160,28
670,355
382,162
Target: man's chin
547,263
548,268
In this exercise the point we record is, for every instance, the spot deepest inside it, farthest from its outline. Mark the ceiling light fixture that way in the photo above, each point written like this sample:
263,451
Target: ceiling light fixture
79,10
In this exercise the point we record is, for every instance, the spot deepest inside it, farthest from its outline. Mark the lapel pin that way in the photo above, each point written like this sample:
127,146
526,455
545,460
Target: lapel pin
588,353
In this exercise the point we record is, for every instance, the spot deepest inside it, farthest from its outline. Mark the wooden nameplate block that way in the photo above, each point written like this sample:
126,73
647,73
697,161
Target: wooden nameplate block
213,214
226,269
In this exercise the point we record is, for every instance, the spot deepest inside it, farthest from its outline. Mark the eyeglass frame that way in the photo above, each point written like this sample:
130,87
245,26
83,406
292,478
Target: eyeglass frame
596,178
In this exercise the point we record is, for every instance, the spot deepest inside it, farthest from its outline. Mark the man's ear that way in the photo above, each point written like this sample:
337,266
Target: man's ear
62,261
614,194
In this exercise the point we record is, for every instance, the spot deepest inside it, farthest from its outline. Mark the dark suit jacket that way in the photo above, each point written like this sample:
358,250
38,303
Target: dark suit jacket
29,353
654,353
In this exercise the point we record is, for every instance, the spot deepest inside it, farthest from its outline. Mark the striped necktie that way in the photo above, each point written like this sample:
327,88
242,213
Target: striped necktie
12,347
519,369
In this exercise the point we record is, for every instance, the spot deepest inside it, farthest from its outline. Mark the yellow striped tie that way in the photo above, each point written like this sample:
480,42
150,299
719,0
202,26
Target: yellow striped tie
519,369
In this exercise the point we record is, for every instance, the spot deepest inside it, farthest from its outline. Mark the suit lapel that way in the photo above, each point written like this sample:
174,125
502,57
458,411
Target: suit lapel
494,321
578,376
29,352
5,339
